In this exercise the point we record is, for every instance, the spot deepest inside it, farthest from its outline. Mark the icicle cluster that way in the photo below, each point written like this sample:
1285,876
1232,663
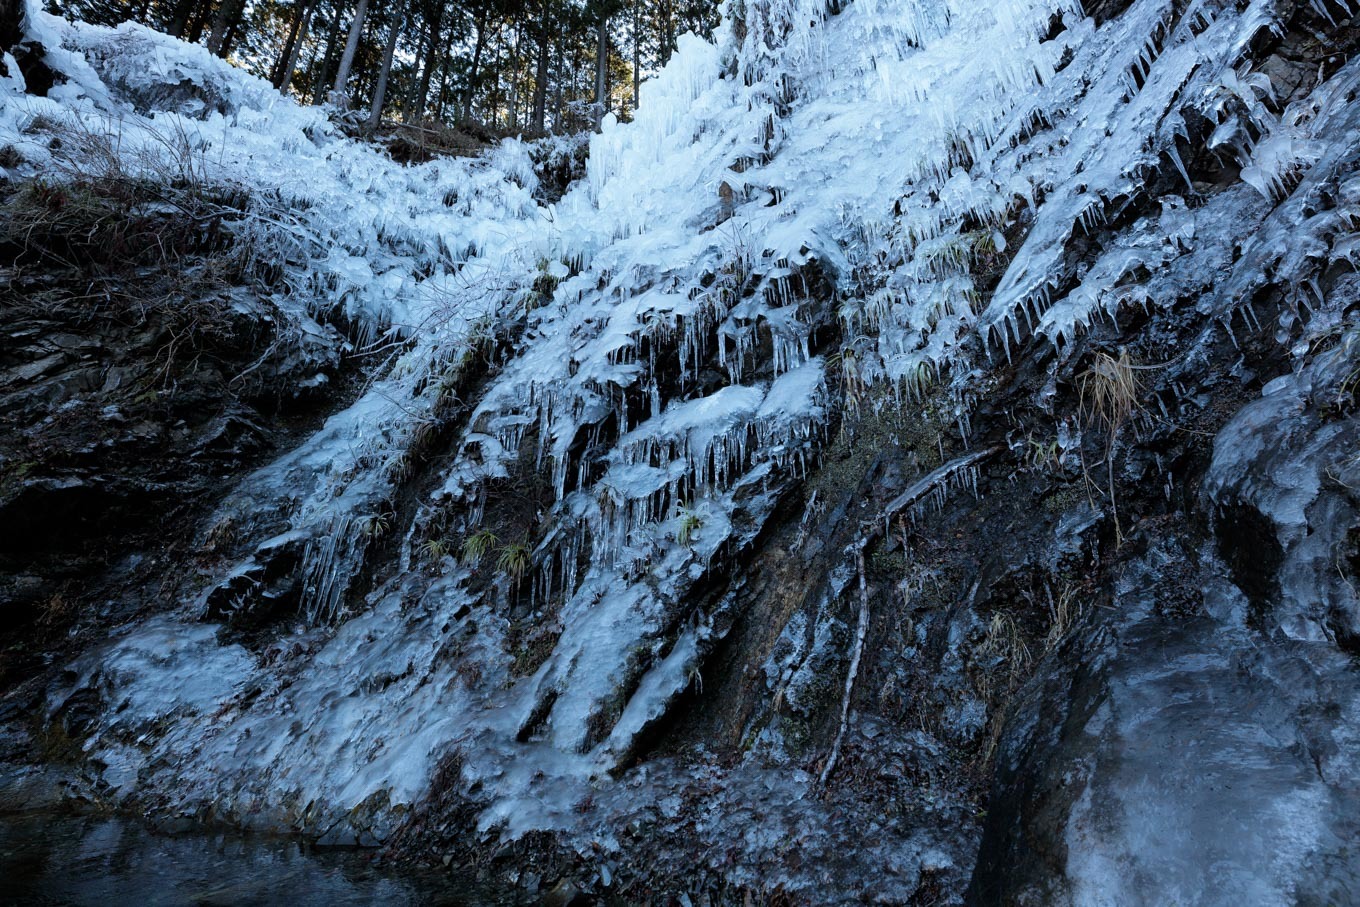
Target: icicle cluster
808,175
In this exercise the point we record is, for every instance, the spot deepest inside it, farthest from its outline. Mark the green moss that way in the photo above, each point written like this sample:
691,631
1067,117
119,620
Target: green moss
883,562
797,733
882,423
53,743
1063,499
543,288
11,478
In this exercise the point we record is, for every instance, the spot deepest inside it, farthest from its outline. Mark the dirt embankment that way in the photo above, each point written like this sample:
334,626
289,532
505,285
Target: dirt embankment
143,362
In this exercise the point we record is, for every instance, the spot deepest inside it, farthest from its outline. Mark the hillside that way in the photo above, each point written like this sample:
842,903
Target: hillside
914,461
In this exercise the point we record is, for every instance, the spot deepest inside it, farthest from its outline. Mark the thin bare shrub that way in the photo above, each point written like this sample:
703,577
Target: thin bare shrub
1108,394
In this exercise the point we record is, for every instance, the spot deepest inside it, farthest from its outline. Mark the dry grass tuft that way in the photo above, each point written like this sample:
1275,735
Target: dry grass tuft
1109,390
1108,394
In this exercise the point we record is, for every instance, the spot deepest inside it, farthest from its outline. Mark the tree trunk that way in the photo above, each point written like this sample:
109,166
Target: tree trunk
332,41
179,21
476,63
233,34
446,64
351,45
290,66
601,71
667,30
380,92
516,95
560,80
421,23
294,27
637,52
577,67
541,71
198,22
228,15
431,60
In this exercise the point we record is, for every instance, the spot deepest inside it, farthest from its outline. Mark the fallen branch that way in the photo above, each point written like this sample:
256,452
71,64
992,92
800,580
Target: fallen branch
872,529
861,630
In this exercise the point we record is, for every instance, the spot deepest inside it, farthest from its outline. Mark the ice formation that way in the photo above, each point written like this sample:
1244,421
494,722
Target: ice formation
808,175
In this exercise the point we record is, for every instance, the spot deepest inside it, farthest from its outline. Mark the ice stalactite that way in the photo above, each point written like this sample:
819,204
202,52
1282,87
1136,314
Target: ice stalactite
864,168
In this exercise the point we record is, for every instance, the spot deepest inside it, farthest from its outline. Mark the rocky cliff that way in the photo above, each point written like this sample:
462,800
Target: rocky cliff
915,462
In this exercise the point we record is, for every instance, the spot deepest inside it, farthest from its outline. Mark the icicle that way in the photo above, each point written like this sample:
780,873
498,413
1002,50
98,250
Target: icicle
1174,153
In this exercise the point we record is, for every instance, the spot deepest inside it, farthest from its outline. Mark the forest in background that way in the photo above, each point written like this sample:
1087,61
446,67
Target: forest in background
527,67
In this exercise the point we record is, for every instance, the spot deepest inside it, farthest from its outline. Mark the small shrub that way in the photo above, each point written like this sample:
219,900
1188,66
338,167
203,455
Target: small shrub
1004,640
845,365
56,611
1108,394
435,550
1043,456
377,525
690,523
477,546
513,561
1063,614
1108,390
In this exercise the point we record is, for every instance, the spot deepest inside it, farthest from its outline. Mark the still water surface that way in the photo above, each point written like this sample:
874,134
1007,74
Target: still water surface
56,859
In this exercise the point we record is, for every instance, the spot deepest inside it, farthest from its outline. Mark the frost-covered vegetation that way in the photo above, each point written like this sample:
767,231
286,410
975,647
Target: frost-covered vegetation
865,209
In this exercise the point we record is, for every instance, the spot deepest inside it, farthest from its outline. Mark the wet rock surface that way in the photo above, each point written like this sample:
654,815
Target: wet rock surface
132,390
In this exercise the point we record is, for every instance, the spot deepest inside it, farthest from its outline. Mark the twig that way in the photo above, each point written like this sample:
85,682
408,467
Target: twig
861,630
922,488
871,530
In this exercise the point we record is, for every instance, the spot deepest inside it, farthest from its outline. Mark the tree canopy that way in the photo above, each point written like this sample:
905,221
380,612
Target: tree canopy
526,66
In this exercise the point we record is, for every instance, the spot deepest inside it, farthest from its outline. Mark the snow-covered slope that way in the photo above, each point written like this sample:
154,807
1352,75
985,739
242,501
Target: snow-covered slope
800,214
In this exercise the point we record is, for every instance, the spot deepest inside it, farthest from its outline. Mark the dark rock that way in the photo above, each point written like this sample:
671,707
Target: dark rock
33,370
11,23
566,894
120,416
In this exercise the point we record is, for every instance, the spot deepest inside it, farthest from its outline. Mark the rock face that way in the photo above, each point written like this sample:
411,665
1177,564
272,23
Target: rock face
960,510
1197,738
132,391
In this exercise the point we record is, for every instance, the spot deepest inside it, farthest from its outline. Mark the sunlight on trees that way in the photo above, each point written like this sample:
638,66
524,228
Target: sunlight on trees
511,66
